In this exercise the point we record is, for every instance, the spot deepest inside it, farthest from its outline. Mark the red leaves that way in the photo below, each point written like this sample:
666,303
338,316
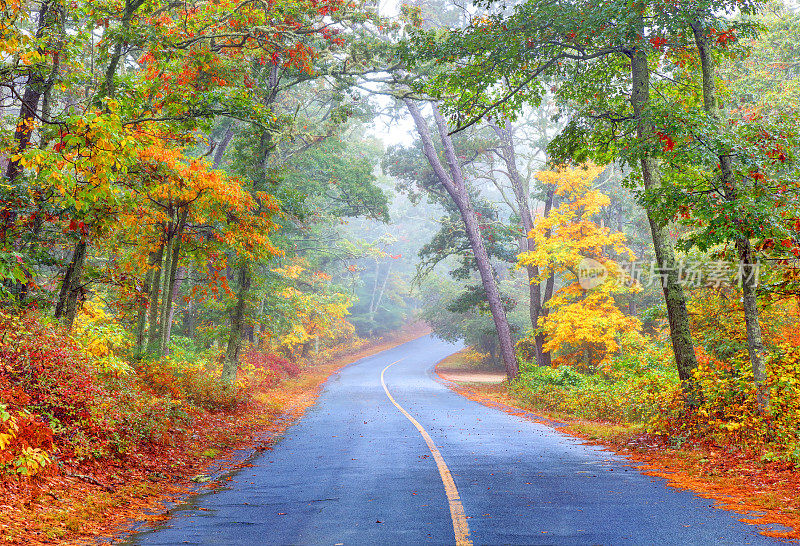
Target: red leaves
270,368
658,42
76,225
777,153
723,38
666,140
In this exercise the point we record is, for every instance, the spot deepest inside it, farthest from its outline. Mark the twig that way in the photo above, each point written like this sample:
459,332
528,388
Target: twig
91,480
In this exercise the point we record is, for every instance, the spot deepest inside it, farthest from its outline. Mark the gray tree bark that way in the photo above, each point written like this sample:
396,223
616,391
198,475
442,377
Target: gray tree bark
537,303
170,279
155,291
747,263
453,182
231,363
674,296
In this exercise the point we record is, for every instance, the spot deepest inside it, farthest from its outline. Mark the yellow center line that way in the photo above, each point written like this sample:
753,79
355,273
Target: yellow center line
460,526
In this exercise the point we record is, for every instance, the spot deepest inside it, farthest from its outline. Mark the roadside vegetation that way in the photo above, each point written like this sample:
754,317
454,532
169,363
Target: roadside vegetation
91,445
650,284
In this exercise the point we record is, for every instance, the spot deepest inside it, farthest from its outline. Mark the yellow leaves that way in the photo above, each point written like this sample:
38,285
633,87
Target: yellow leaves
584,319
5,440
102,337
290,271
572,181
29,58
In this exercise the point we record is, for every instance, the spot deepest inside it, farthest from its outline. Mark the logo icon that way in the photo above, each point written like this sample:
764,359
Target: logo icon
591,273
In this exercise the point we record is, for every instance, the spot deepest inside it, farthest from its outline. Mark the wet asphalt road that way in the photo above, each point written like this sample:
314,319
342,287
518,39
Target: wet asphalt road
355,470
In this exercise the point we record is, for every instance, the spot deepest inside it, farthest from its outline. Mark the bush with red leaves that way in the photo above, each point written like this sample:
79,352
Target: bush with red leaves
269,368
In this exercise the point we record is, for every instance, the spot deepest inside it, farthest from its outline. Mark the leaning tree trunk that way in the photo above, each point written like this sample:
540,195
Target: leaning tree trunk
231,362
674,296
456,188
747,263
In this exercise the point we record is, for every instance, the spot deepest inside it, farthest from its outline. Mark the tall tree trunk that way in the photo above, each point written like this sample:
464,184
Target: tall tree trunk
231,363
549,285
189,319
382,291
51,20
157,337
456,188
170,280
155,292
141,321
69,283
674,296
219,153
74,285
372,296
107,89
74,275
747,263
50,26
179,276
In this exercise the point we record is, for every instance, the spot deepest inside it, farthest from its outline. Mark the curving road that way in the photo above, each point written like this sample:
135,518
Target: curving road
358,469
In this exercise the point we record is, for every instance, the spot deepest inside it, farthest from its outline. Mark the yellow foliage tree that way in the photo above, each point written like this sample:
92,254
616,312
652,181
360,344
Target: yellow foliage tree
317,312
583,319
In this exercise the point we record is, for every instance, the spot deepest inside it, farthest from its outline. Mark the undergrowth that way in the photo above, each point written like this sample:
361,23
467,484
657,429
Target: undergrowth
78,399
640,386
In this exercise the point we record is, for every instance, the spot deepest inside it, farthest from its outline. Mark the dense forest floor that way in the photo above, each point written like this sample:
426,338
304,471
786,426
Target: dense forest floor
763,493
112,496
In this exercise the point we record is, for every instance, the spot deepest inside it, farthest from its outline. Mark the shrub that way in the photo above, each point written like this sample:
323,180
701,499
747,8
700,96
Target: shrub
262,370
24,443
100,336
57,403
47,375
629,389
728,413
197,382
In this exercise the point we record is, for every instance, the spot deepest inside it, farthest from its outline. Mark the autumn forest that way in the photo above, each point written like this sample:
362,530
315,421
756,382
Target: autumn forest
208,208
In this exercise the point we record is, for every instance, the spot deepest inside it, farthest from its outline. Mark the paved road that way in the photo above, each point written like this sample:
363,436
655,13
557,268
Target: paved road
356,470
